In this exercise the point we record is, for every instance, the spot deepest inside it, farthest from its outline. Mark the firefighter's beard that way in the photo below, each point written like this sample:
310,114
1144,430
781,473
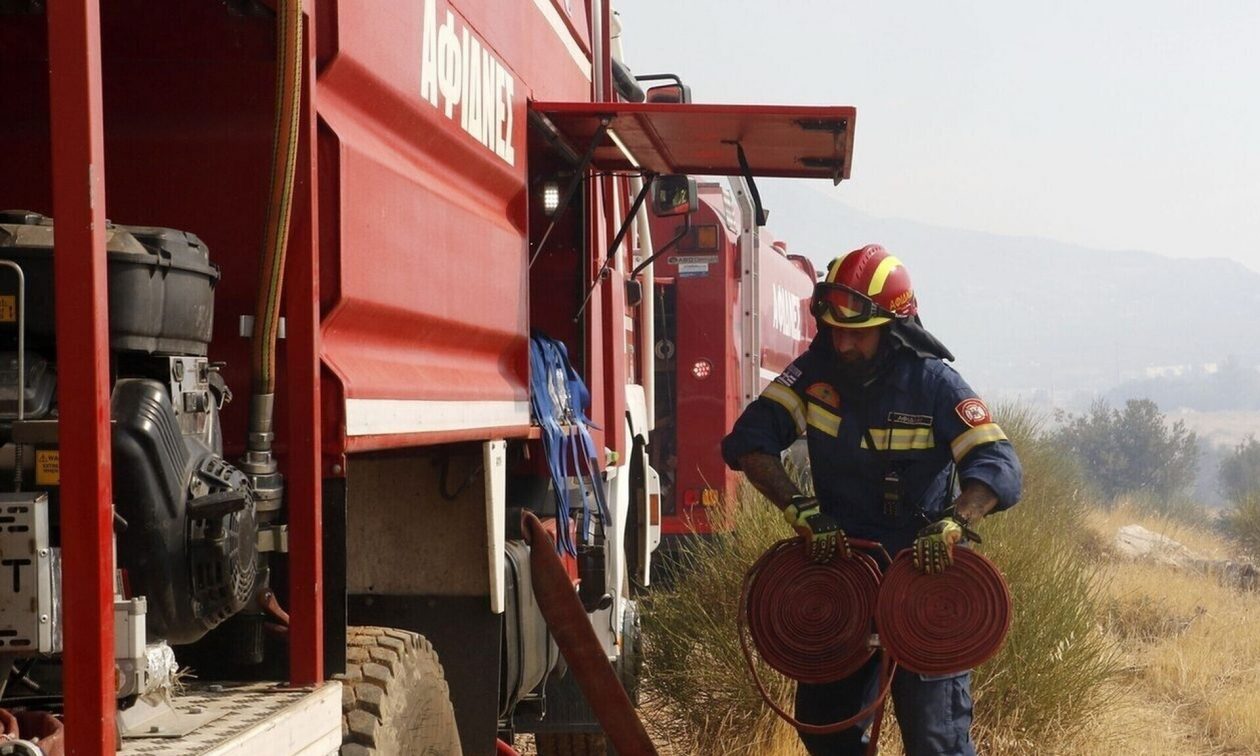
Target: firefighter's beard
854,372
852,369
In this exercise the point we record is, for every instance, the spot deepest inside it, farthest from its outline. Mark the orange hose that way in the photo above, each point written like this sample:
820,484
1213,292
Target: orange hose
811,621
280,198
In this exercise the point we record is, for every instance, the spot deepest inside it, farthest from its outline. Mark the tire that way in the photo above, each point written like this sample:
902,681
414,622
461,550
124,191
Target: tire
630,663
394,696
571,744
629,668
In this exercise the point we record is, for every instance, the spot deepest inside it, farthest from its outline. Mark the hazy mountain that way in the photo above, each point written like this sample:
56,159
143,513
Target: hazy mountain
1042,319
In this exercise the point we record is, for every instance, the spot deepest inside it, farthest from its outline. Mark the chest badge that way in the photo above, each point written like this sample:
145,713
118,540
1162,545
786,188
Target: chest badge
906,418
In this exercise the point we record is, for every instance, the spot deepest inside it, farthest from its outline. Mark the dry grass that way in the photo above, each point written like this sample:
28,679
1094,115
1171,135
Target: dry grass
697,685
1196,536
1189,642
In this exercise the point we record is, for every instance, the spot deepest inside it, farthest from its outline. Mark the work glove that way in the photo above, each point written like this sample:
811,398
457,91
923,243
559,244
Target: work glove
822,534
934,546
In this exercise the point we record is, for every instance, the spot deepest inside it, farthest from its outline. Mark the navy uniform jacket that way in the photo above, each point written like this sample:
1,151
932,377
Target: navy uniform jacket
923,419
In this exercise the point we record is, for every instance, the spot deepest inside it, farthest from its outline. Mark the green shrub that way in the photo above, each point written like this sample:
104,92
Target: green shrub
1242,523
1055,667
697,686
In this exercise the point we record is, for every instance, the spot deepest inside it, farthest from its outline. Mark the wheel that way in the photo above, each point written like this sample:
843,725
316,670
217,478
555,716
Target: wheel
630,663
571,744
629,668
394,696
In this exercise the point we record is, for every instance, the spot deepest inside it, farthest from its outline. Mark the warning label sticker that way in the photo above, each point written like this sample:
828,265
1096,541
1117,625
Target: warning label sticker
47,467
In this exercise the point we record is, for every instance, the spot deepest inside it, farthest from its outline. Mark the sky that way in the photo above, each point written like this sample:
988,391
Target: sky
1120,124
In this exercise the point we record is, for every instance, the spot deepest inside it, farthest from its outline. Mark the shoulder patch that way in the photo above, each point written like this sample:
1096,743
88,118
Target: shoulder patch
789,376
973,412
825,393
906,418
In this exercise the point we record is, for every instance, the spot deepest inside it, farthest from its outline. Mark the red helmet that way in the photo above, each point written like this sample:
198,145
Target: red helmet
865,288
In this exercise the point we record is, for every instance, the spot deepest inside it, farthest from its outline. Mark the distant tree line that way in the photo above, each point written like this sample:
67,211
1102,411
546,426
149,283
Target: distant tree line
1131,450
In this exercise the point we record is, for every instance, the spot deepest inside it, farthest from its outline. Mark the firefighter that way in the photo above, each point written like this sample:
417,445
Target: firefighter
902,452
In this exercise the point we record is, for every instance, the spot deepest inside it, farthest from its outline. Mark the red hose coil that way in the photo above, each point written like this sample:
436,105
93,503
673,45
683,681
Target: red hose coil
946,623
784,584
809,621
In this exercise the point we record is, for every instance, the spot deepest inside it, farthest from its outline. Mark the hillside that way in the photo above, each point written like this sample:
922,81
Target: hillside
1039,319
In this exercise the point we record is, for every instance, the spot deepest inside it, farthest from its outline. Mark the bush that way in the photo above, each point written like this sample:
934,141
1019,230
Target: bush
1240,471
1132,450
1179,507
697,685
1055,667
1242,523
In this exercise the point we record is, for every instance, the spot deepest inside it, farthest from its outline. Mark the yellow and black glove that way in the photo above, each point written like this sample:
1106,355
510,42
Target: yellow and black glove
822,534
934,546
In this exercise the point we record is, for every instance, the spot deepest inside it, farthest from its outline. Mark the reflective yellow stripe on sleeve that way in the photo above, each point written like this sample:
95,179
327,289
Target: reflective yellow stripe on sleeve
981,434
900,439
787,398
824,420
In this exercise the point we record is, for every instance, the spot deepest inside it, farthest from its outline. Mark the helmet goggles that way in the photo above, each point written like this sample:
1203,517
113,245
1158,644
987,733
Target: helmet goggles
845,305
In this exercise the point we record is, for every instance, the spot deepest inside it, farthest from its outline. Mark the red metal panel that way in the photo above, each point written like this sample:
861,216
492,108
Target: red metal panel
306,569
78,166
707,329
424,224
778,140
786,325
188,129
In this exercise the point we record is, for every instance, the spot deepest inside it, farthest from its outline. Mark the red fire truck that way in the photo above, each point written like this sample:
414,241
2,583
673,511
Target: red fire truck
272,288
732,311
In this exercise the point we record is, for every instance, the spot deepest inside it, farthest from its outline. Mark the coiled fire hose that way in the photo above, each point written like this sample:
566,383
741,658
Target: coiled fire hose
946,623
812,622
31,732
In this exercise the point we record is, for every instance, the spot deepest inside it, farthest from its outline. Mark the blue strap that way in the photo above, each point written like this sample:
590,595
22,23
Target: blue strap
559,400
546,414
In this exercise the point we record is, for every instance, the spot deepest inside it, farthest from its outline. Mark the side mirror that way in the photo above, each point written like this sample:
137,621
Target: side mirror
679,93
674,195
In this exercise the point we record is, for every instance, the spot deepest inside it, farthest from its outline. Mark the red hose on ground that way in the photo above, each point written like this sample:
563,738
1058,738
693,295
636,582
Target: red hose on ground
946,623
571,627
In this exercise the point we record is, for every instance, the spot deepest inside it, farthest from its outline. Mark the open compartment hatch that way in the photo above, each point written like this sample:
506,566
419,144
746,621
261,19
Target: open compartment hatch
700,139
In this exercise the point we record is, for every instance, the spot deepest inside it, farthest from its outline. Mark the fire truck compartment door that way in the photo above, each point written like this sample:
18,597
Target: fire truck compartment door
664,138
